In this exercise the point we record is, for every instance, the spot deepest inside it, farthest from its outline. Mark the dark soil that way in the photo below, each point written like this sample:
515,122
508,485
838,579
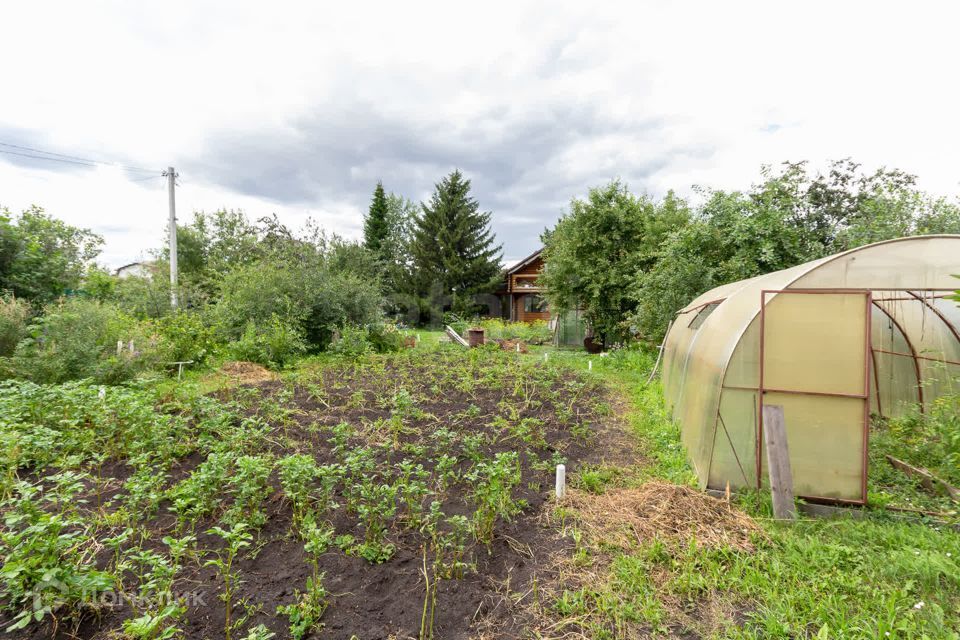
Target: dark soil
463,392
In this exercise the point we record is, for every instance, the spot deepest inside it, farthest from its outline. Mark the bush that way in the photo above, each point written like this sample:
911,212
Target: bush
352,342
78,338
379,337
536,332
384,337
186,336
14,316
312,298
275,344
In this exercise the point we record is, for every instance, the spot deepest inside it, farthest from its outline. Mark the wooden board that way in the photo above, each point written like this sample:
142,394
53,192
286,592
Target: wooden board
930,482
455,336
778,462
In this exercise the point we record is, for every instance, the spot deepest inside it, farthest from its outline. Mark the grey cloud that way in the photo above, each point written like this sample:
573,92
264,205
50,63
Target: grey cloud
337,154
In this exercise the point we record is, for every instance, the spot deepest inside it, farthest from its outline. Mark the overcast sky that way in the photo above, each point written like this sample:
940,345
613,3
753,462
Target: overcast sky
299,108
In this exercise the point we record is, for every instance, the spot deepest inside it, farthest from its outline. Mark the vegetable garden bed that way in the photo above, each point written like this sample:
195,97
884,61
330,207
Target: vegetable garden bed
394,496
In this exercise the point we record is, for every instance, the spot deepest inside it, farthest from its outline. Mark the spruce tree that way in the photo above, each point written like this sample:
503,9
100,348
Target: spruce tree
453,244
376,229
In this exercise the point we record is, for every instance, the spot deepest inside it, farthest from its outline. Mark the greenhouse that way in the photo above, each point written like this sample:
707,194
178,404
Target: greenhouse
870,331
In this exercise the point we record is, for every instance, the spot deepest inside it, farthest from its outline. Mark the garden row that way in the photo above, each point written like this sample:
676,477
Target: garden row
373,496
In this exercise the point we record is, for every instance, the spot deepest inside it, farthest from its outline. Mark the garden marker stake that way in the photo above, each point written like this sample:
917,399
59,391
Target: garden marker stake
546,356
589,365
561,481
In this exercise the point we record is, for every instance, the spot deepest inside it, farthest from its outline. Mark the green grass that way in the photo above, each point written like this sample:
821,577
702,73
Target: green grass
930,441
880,577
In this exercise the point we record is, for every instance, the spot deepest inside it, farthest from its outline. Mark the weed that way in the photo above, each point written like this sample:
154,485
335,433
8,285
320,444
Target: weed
596,478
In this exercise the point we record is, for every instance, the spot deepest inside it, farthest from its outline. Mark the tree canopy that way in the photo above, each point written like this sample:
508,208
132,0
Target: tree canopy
593,255
42,257
376,228
453,247
631,280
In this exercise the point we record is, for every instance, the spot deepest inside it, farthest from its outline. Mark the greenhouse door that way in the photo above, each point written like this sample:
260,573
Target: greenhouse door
815,363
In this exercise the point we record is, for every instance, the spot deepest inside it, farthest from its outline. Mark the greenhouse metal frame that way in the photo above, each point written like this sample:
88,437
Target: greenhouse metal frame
869,330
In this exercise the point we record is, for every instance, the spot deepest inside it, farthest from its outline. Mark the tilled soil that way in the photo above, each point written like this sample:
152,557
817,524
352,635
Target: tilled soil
465,393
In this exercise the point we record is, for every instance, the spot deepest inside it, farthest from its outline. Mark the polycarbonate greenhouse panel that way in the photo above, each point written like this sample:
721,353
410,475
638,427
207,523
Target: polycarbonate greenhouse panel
825,438
815,342
895,385
733,458
712,368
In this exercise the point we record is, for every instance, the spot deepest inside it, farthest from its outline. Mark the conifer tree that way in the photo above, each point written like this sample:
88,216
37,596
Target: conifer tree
376,229
453,245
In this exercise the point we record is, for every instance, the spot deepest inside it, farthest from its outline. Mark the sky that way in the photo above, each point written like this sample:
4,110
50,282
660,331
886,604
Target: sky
299,109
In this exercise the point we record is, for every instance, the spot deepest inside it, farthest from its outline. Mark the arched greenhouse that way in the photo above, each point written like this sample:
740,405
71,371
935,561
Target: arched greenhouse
871,330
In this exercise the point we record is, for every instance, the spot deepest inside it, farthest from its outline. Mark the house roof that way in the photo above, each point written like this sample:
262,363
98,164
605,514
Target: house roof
520,265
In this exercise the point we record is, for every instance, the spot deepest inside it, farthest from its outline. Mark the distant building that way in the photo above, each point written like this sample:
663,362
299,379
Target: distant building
136,269
524,296
523,301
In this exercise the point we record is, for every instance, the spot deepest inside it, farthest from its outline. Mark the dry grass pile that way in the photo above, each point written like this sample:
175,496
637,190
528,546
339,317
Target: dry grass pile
247,372
511,345
669,512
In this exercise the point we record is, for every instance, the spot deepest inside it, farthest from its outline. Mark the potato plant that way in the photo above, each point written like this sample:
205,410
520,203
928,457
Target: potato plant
148,491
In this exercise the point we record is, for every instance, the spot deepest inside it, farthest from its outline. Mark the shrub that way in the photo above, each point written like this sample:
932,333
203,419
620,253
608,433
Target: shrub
379,337
78,338
536,332
311,297
352,342
275,344
455,322
384,337
186,336
14,316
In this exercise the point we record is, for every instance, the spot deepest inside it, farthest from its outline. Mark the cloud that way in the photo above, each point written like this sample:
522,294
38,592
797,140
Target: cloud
299,109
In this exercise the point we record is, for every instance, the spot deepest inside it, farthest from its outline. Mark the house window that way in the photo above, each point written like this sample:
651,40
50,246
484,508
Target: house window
534,304
702,315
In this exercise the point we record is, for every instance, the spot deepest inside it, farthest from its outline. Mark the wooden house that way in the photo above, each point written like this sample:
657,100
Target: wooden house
522,292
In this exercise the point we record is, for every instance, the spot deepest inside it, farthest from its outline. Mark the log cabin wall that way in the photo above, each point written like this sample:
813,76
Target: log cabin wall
521,284
521,315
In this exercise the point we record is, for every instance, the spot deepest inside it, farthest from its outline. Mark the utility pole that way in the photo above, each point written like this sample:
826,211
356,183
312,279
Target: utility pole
171,182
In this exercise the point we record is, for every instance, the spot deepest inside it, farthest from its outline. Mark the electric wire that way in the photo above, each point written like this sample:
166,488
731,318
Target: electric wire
62,157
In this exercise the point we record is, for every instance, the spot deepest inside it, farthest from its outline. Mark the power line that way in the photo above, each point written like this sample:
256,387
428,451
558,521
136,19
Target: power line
61,157
29,155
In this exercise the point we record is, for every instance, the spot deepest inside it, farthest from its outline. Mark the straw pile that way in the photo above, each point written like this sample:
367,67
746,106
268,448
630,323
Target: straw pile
669,512
511,345
247,372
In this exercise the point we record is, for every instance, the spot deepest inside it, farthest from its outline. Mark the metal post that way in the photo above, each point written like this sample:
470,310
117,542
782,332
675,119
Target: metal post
171,181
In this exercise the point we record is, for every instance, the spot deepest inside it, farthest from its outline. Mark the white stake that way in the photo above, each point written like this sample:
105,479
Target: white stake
546,356
589,365
119,347
518,347
561,480
418,337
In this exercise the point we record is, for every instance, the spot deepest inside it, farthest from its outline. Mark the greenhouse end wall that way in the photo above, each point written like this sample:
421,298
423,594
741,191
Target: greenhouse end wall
869,330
